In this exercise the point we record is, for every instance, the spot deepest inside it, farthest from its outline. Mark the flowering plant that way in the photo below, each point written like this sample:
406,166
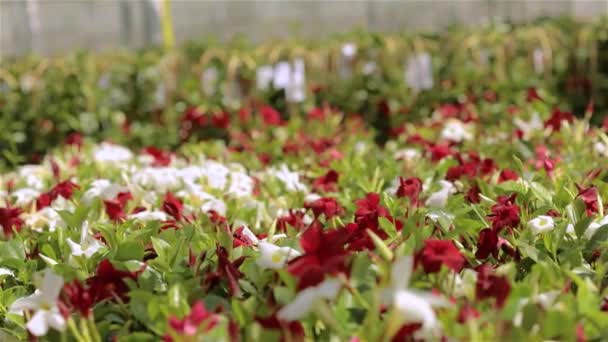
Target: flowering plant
461,226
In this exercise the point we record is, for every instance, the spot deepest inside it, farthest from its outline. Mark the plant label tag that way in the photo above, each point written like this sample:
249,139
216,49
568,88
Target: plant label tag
296,92
209,79
264,76
282,75
419,72
538,56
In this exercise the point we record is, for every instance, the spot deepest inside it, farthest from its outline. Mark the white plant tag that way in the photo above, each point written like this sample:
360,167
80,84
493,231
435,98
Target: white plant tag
160,95
419,72
282,75
348,52
264,76
296,92
209,79
104,80
538,57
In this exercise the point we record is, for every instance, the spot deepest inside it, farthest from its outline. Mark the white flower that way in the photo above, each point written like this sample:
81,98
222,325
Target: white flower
570,230
159,179
311,197
541,224
545,300
529,127
273,256
148,215
456,130
594,226
216,174
241,185
44,304
110,153
46,217
6,272
88,244
306,299
600,148
464,286
25,196
440,198
407,154
34,175
102,188
290,179
216,205
412,305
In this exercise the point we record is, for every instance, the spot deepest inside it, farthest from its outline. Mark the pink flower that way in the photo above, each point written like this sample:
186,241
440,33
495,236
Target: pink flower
198,319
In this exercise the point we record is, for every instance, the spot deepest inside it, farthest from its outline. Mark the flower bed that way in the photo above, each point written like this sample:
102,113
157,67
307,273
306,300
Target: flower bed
461,226
137,99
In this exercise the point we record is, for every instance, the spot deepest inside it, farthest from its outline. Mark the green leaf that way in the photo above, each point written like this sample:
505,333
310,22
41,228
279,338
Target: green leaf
541,193
130,250
600,236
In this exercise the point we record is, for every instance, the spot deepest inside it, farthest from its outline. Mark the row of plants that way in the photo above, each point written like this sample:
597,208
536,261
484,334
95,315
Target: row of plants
486,221
141,98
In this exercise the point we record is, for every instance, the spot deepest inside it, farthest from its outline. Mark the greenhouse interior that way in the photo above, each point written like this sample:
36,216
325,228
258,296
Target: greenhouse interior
290,170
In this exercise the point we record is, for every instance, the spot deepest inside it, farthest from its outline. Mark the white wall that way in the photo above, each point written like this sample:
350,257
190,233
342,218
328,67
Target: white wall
103,24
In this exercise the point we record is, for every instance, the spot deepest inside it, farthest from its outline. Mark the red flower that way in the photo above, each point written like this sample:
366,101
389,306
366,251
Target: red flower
221,120
240,239
114,210
229,270
173,206
325,206
440,252
543,160
467,312
108,282
198,318
505,213
161,157
124,197
406,332
44,200
74,138
293,218
78,297
368,212
270,116
532,95
323,254
472,196
487,166
557,116
589,197
439,151
327,182
316,114
9,219
64,189
580,333
294,329
410,188
487,244
491,286
507,175
370,206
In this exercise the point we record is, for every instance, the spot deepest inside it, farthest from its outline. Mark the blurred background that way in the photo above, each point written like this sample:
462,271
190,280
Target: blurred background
49,27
